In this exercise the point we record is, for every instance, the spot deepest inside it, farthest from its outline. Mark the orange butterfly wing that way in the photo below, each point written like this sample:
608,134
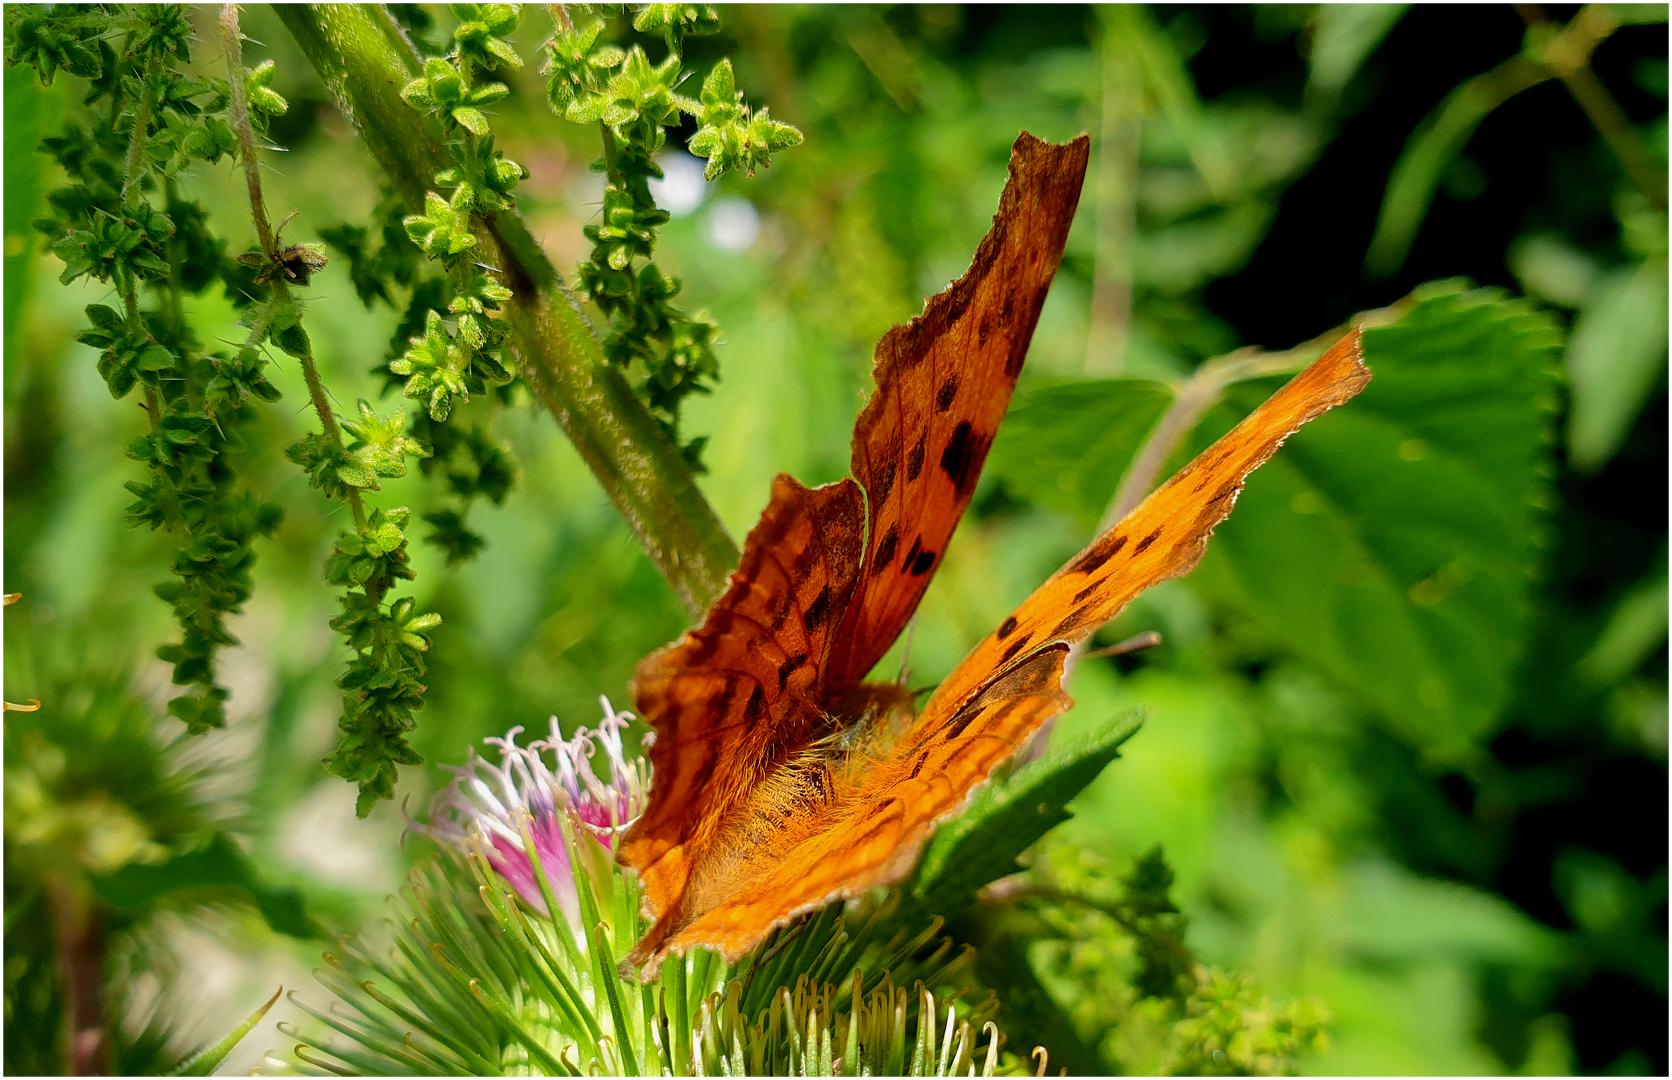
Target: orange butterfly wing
944,381
871,834
732,701
1162,537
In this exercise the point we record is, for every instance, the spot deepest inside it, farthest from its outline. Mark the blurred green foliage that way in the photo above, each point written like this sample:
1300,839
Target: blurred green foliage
1406,737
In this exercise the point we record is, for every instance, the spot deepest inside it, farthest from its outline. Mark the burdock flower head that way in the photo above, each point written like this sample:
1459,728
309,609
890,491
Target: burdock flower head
499,810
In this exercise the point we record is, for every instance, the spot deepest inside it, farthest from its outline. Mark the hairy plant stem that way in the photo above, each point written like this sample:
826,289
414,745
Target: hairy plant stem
142,121
364,60
78,928
232,39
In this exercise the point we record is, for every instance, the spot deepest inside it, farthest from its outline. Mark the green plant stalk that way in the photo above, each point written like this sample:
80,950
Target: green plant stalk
1432,146
130,177
364,60
232,40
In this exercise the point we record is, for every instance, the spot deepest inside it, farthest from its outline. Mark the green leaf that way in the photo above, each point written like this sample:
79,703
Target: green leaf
1006,818
1393,542
1617,350
1066,445
220,865
205,1061
294,340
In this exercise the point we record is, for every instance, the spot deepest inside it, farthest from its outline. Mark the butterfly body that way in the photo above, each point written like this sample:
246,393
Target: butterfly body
781,779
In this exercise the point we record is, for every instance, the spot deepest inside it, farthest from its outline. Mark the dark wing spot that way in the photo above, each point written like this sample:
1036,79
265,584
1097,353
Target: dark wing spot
959,454
945,395
1143,545
921,564
782,616
963,720
1080,597
819,609
787,668
885,550
722,704
757,704
885,480
914,463
958,299
911,556
1097,556
1068,624
915,769
981,331
1005,629
1013,648
1023,333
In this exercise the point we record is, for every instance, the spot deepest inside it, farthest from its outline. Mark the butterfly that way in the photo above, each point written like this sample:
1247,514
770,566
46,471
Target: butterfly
781,779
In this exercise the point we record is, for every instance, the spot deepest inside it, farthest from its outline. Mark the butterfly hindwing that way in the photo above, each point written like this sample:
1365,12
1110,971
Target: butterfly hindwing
944,381
729,700
872,834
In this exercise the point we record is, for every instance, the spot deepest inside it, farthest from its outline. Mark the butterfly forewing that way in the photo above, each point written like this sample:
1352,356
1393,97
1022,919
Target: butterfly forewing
734,700
944,381
1163,537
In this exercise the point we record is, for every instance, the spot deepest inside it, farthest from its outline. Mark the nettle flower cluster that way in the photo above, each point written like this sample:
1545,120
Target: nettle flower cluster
122,219
634,103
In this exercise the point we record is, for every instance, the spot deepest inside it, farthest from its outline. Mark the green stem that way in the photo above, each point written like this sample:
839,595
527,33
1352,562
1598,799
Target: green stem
232,40
142,121
130,177
358,52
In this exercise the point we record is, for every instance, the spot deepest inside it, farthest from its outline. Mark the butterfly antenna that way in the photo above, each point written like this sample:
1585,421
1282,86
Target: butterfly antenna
1149,639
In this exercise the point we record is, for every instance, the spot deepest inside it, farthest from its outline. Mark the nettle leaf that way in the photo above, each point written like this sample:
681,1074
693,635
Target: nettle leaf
1066,445
1394,542
1007,817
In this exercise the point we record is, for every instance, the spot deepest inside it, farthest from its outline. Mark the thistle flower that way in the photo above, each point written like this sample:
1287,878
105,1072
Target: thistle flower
495,810
481,977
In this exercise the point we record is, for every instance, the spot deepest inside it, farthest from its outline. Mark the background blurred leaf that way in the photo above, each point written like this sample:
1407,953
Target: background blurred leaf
1343,37
219,866
1393,544
1065,445
1432,147
1617,349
